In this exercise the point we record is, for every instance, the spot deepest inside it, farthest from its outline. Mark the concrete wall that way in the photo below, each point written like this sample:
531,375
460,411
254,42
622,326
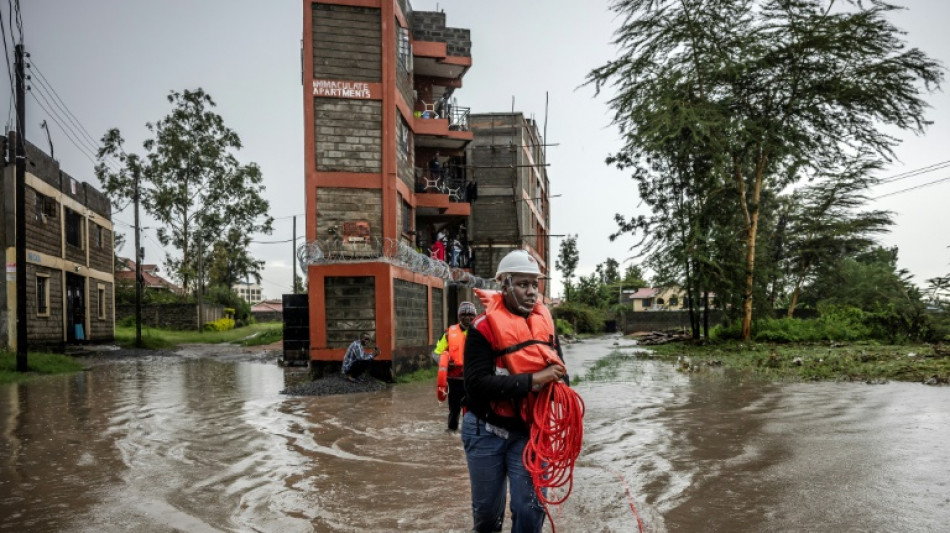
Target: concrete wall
411,313
438,314
346,43
350,308
171,316
348,135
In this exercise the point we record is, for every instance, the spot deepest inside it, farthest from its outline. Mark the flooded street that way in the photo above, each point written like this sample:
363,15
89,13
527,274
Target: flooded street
202,444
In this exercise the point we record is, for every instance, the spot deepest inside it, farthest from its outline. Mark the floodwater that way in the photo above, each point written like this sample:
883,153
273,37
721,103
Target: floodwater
205,444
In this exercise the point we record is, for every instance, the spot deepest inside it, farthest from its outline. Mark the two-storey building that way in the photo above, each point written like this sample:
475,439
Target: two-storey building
69,255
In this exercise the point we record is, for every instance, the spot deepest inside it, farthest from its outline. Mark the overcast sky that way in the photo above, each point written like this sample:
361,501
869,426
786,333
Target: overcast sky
113,62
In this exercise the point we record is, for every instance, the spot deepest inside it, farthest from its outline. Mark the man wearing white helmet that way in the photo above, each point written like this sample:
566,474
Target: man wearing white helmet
449,353
516,332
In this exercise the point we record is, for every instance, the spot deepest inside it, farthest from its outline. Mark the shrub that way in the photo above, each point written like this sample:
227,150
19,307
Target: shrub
564,327
587,319
221,324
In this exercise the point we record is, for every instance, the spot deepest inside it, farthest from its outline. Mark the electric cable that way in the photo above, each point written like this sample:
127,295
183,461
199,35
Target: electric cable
908,189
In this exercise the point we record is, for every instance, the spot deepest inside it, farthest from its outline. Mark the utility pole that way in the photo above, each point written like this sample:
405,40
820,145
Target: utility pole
201,307
21,342
138,258
293,262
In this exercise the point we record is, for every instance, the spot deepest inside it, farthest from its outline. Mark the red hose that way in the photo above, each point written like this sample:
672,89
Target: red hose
556,417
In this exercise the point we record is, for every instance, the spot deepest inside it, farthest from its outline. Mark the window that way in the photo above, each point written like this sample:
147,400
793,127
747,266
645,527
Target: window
659,301
674,301
42,295
74,223
406,217
99,238
403,50
45,208
101,303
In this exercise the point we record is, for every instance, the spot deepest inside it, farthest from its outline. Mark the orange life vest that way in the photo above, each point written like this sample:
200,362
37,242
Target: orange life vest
454,354
524,345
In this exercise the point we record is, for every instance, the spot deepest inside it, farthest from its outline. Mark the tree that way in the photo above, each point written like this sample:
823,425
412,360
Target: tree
230,261
823,227
566,262
772,90
191,182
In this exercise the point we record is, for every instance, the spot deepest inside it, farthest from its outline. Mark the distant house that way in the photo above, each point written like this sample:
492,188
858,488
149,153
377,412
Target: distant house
125,276
268,311
658,299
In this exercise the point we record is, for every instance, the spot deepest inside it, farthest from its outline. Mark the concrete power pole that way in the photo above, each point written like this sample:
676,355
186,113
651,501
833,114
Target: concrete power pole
139,256
21,332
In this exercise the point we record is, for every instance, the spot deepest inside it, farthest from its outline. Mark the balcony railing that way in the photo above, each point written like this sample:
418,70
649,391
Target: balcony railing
457,116
449,180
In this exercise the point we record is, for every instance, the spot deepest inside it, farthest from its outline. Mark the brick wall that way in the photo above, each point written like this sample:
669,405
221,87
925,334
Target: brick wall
336,206
346,43
350,308
411,314
100,328
348,135
43,233
100,248
430,26
44,330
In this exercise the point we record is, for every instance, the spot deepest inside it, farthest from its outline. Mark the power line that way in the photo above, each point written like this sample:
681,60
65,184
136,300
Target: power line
921,186
915,172
62,105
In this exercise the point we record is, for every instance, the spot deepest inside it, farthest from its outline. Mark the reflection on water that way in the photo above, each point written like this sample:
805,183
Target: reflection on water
164,444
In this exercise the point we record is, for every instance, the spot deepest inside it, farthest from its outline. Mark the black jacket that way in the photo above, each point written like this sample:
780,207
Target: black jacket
482,385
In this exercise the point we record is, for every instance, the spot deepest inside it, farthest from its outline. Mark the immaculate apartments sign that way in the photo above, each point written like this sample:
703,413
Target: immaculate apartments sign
356,90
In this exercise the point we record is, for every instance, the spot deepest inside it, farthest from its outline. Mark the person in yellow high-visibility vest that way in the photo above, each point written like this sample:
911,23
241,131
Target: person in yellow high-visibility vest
449,352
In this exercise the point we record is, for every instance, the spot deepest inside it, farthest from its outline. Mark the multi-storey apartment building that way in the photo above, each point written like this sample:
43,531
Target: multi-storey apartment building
390,186
69,255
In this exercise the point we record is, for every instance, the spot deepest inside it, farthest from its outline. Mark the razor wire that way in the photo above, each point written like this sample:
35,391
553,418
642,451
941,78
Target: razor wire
386,250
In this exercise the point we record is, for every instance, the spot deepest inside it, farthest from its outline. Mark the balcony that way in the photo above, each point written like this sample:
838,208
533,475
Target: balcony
441,125
439,51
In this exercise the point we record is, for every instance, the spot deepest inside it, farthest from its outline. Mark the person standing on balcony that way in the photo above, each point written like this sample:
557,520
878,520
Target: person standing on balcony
449,353
435,167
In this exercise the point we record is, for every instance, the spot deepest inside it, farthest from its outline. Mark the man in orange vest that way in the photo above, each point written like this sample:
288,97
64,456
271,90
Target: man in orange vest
515,328
449,352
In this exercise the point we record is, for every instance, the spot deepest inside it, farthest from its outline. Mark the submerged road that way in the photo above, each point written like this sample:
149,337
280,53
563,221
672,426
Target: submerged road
201,443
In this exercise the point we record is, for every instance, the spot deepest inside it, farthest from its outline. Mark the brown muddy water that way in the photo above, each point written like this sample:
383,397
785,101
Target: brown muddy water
208,444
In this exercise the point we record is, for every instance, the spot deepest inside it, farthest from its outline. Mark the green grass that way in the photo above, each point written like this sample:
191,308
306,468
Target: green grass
604,369
423,374
867,362
38,363
156,338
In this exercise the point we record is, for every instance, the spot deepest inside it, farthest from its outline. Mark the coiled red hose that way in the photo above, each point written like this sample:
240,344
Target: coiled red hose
556,417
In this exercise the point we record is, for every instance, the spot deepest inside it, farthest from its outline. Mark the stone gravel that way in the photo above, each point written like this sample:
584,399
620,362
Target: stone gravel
335,384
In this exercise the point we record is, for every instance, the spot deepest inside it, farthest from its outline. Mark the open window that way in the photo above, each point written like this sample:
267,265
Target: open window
74,228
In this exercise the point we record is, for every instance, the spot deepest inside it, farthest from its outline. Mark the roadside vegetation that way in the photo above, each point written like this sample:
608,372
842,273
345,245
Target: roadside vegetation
39,363
157,339
862,361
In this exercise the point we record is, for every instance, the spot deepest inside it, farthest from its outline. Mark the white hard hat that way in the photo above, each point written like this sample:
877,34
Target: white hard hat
517,262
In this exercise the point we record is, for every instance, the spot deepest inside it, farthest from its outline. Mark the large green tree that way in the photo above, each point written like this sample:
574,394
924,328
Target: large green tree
190,181
773,90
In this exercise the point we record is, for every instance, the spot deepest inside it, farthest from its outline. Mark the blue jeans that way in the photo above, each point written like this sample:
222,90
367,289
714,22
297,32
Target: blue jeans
492,459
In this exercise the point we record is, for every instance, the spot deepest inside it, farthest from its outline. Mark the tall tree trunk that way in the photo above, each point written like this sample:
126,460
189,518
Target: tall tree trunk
796,293
751,216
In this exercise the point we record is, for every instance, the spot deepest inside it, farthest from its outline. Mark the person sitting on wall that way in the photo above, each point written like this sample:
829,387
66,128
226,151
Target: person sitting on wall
359,356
